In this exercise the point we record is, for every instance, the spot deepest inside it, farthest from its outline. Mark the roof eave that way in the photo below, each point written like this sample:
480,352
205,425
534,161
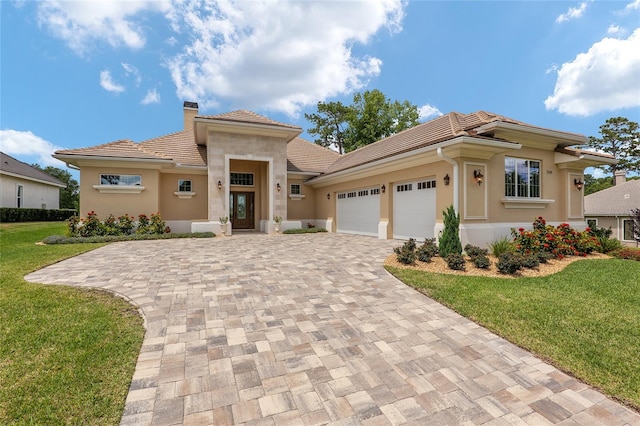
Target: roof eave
32,179
202,125
563,138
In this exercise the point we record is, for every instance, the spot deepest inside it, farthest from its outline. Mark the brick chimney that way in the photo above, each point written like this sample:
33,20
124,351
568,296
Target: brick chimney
190,111
619,177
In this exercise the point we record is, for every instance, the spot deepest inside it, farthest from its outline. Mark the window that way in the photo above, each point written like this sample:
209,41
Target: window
375,191
19,195
351,195
184,185
342,196
627,228
363,193
128,180
427,185
405,187
241,179
592,223
295,189
521,178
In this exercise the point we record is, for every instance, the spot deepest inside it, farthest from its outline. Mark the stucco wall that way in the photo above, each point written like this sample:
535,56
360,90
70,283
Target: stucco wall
147,202
174,208
303,208
35,195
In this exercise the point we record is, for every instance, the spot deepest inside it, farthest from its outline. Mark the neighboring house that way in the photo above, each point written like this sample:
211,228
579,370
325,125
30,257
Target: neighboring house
497,172
611,208
24,186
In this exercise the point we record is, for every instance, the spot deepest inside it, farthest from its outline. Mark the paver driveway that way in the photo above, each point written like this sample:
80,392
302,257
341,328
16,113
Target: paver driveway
310,329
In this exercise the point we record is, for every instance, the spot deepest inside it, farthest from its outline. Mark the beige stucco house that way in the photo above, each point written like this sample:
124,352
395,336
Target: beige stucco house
497,172
24,186
611,208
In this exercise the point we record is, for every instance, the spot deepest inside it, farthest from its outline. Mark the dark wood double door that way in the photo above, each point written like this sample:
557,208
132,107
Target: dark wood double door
241,210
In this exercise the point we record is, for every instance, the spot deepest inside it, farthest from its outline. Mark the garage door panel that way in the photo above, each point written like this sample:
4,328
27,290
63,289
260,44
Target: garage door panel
358,212
414,210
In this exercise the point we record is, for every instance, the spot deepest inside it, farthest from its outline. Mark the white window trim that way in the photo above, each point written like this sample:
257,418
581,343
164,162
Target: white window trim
243,186
622,233
119,189
526,203
293,196
528,185
184,194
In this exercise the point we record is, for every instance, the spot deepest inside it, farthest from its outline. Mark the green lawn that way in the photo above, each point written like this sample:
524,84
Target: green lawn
66,355
585,319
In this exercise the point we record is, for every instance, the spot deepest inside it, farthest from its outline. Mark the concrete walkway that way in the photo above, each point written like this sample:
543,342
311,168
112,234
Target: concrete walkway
310,329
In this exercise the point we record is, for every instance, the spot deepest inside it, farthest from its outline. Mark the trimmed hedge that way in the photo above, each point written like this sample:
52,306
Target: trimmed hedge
61,239
12,214
304,231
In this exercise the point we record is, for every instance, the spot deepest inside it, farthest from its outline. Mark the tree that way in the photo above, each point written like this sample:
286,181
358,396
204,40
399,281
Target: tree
619,137
371,117
69,196
593,184
449,241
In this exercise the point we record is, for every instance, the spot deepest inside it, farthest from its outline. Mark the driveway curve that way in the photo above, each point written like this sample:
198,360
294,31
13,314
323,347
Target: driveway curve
310,329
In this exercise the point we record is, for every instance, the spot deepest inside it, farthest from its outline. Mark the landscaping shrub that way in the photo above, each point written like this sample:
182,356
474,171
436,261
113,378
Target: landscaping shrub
544,256
481,261
125,224
143,224
13,214
509,263
607,245
629,253
449,242
304,231
91,226
456,262
427,250
501,246
406,253
530,260
475,251
560,241
60,239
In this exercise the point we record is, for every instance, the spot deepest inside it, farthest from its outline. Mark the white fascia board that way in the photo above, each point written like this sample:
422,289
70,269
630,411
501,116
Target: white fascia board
575,139
67,157
31,179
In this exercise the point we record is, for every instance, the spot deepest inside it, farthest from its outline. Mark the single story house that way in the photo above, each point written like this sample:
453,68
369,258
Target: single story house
23,186
611,208
497,172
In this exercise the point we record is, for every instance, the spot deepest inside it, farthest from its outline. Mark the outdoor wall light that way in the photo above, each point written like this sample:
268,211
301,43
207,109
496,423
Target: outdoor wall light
328,195
219,185
278,186
383,188
447,179
578,183
478,176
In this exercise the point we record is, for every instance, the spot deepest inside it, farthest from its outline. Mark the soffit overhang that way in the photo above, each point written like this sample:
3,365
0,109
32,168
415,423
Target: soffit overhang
97,161
203,126
581,161
31,179
535,137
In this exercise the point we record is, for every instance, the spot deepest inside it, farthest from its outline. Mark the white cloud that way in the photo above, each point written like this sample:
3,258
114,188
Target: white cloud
634,5
553,68
276,55
131,70
80,23
18,143
614,29
107,83
605,78
428,111
152,97
572,13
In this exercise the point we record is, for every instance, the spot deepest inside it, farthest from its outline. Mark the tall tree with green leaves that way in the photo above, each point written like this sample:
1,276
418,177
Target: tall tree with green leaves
619,137
371,117
69,196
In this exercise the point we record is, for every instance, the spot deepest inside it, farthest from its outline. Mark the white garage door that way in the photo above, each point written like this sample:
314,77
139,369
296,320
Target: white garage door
358,212
414,209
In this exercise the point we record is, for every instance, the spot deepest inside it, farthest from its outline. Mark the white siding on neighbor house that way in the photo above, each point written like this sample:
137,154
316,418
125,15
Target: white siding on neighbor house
34,196
414,209
358,211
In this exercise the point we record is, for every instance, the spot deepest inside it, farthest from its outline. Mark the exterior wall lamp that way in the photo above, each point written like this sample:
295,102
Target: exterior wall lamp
278,187
219,185
447,179
478,176
328,195
383,188
578,183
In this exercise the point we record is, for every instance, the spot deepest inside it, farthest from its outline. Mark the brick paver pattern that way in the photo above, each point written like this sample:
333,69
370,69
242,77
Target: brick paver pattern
310,329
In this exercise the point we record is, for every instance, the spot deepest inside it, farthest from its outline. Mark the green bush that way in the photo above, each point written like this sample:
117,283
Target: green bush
11,214
60,239
509,263
427,250
560,241
406,254
475,251
607,245
91,226
530,261
544,256
481,261
629,253
304,231
449,242
456,262
501,246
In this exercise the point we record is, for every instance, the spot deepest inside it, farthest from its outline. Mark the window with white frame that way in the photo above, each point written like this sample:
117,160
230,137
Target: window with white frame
592,223
19,196
184,185
521,178
241,179
128,180
627,230
295,189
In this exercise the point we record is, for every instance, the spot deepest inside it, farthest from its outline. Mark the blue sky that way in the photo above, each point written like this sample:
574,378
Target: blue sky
77,74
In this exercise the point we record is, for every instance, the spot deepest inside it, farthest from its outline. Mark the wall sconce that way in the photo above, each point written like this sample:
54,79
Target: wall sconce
328,195
278,186
447,179
578,183
219,185
478,176
383,188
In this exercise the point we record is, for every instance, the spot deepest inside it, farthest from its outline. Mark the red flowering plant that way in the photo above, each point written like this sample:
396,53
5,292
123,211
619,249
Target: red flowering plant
559,242
91,226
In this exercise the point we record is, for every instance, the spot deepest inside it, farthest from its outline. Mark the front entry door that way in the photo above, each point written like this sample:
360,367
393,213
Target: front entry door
241,210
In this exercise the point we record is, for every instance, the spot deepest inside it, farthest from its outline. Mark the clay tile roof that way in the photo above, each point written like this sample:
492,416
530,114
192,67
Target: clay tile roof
179,146
244,116
618,200
9,164
305,156
122,149
577,152
445,127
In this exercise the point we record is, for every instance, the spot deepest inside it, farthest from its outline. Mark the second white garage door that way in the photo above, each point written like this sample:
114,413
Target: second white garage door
414,209
358,212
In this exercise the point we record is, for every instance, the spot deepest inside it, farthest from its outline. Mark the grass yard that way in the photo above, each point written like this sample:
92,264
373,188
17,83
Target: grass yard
66,355
585,319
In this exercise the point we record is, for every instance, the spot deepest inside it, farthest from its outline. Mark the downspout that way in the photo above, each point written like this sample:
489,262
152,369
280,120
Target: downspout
454,163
